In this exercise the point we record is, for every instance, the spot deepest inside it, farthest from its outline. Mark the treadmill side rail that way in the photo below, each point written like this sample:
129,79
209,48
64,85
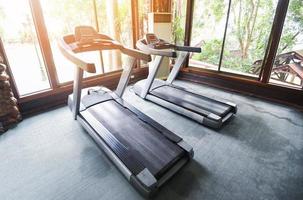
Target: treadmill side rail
120,165
146,177
148,192
212,123
210,120
227,117
233,105
184,145
117,147
173,170
175,108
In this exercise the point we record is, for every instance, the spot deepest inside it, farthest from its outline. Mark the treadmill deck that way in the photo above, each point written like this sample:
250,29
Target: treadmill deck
144,142
193,102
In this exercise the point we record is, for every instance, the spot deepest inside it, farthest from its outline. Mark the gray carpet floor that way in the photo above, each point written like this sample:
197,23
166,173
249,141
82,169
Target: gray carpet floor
257,155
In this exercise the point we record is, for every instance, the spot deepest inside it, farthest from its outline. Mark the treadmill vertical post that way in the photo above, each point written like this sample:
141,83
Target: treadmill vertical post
151,76
177,66
125,76
77,91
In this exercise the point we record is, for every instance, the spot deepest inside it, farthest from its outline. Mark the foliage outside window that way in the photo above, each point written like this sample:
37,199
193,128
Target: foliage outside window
248,28
248,32
143,10
209,20
114,18
179,17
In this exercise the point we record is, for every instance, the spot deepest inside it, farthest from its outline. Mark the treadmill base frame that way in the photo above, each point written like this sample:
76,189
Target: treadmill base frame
145,184
211,120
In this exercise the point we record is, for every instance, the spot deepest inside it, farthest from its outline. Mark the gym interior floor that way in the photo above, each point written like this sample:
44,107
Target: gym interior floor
257,155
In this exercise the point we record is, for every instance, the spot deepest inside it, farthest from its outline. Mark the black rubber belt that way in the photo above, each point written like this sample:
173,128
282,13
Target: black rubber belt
122,152
169,135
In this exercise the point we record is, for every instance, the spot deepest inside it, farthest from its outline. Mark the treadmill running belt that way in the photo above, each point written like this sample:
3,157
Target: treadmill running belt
145,143
195,103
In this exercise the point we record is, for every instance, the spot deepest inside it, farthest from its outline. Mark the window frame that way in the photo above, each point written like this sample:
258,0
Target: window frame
270,51
57,88
48,59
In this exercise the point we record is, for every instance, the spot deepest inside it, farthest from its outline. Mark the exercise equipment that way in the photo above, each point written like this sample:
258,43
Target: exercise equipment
208,111
145,152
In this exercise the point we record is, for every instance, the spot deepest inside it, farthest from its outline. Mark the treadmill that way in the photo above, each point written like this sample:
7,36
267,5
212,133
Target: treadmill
207,111
145,152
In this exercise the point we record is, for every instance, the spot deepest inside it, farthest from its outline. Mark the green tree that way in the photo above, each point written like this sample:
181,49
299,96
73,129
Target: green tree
210,51
178,25
251,19
293,26
206,14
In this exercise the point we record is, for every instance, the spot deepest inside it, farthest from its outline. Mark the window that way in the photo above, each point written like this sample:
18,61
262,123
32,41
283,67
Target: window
61,17
209,18
179,17
248,31
114,18
22,48
32,61
288,65
143,9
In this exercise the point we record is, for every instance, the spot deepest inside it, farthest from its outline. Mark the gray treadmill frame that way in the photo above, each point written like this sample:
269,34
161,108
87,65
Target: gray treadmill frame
144,182
211,120
145,176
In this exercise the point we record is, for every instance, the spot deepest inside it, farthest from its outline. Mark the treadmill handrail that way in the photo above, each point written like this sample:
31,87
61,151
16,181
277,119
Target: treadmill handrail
170,51
146,49
68,53
188,49
69,48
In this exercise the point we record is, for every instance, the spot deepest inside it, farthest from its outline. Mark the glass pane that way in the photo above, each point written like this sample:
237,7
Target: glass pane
209,19
114,19
288,66
179,17
144,9
61,17
21,45
249,26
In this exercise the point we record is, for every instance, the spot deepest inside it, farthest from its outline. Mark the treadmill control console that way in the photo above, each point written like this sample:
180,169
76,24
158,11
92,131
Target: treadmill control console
151,38
154,42
85,34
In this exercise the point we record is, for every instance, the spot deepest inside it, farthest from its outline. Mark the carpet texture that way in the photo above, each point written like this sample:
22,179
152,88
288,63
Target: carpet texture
257,155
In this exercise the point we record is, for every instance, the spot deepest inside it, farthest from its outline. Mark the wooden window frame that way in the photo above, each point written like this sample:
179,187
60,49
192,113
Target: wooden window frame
252,86
57,88
270,52
59,91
